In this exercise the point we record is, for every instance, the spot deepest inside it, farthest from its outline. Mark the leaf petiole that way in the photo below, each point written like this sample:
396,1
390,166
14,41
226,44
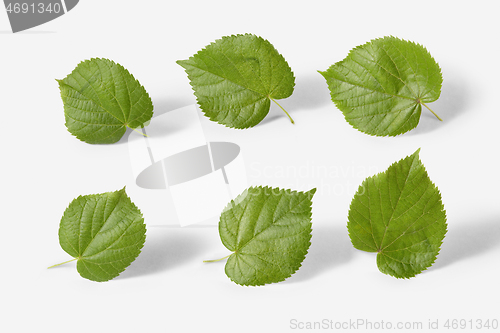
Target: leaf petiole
431,111
62,263
215,260
272,99
133,129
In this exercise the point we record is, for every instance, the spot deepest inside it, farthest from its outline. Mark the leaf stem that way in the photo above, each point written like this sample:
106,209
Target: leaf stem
62,263
133,129
215,260
432,111
272,99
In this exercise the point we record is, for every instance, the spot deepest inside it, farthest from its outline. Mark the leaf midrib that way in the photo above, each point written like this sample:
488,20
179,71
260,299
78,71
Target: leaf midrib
373,90
98,102
415,98
272,224
102,226
413,165
194,63
397,68
416,220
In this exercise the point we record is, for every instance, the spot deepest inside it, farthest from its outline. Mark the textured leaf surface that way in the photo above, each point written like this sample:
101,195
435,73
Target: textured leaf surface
269,231
101,99
399,215
234,78
380,86
105,232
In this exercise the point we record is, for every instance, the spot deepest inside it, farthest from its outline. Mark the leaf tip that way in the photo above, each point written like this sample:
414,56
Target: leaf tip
181,63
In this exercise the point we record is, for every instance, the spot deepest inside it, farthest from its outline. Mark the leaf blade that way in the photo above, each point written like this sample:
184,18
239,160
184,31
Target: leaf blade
399,214
269,231
234,78
104,232
380,85
101,99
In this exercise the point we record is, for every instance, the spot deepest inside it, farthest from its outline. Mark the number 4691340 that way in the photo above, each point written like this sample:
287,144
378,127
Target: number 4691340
33,8
471,324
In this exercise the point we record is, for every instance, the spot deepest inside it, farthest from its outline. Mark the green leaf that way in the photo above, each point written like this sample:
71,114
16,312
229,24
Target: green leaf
399,215
380,86
101,99
235,77
104,232
269,231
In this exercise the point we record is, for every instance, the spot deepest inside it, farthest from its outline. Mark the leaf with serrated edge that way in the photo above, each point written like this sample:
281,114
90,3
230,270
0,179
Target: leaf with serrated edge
380,86
101,99
399,215
269,231
104,232
235,78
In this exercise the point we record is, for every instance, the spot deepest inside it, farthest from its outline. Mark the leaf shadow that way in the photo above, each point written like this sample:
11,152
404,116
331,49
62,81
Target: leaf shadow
272,116
451,104
310,92
467,241
166,248
161,107
330,248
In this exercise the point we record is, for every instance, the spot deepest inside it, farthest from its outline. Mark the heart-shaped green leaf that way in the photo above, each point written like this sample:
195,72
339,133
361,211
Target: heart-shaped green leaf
235,78
104,232
269,231
380,86
101,99
399,215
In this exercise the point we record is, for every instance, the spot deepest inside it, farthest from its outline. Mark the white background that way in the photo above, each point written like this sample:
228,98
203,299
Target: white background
168,288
